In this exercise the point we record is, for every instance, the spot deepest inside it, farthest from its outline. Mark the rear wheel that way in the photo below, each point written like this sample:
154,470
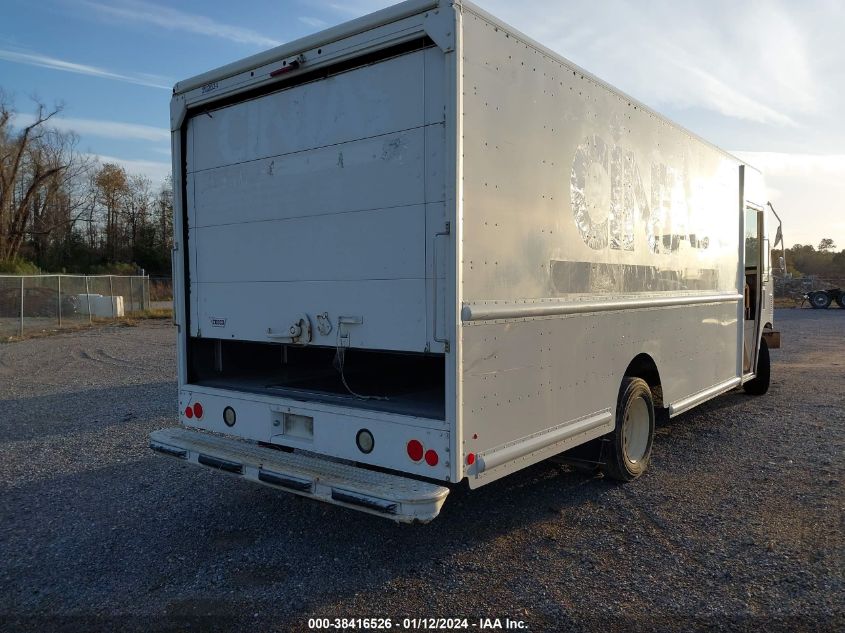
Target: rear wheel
820,300
840,300
630,443
759,385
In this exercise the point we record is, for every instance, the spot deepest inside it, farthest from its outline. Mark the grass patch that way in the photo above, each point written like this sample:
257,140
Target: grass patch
97,322
160,314
43,333
155,313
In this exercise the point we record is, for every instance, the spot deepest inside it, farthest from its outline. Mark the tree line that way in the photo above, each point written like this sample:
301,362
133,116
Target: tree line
62,211
824,260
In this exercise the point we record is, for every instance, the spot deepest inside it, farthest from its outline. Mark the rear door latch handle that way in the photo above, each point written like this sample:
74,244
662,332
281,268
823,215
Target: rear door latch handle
343,323
299,332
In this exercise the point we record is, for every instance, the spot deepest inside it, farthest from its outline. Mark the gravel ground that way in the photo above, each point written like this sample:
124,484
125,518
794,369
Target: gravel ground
737,526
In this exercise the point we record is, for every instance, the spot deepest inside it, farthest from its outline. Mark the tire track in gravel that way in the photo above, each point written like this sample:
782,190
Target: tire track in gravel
101,356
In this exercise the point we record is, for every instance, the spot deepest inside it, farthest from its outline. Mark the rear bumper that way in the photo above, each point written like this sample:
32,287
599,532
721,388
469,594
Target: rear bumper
390,496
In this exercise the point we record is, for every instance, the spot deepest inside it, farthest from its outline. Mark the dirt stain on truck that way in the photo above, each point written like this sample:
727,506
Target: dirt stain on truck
393,148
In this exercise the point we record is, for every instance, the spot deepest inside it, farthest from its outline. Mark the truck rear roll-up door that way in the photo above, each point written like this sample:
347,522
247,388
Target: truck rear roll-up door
322,198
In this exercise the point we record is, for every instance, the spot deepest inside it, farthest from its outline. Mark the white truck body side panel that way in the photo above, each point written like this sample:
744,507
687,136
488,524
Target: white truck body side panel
576,196
317,199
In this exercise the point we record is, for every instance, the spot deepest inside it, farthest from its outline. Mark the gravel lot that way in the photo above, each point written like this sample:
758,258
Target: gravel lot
737,526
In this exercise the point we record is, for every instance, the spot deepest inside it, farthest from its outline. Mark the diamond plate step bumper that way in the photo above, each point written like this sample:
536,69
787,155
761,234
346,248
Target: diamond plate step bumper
390,496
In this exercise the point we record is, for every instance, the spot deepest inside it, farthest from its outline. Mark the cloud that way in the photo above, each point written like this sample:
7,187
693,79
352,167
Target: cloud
102,129
44,61
807,164
316,23
343,11
357,8
175,20
156,171
808,191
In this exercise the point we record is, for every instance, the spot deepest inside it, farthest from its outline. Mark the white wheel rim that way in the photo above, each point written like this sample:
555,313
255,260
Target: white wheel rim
635,430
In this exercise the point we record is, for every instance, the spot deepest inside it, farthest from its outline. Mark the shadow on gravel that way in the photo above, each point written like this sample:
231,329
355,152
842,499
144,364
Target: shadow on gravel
93,409
155,534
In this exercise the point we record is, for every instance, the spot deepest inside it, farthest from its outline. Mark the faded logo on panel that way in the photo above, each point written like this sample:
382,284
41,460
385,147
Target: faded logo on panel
610,204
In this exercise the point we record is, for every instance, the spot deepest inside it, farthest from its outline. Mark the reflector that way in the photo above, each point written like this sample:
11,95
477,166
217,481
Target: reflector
415,450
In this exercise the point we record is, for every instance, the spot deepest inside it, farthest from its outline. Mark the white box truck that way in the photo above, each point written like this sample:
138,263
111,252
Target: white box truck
420,248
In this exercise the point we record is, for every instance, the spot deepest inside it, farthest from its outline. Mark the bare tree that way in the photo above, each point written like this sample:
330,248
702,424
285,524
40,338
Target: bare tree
112,191
30,161
137,212
164,214
64,199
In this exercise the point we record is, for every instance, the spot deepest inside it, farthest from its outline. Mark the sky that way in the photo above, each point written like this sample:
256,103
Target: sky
764,80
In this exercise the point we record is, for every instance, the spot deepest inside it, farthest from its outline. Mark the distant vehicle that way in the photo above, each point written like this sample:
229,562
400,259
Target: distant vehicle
421,248
822,299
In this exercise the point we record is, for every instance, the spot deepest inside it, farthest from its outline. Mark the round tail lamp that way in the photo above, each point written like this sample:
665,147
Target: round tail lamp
415,450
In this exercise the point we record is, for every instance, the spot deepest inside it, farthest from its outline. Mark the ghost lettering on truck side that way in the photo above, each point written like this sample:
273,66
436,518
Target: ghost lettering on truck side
611,207
608,199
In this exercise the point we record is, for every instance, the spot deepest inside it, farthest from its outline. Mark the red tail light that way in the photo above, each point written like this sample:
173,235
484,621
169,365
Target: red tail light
431,458
471,459
189,412
197,410
415,450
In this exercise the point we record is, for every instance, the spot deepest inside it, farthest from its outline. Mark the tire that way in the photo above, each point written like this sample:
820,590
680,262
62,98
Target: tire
840,300
629,448
819,300
759,385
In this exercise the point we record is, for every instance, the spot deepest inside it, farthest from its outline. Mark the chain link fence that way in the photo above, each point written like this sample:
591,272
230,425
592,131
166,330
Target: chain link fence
161,292
32,303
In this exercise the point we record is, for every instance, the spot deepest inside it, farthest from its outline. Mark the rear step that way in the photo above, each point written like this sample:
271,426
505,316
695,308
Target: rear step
391,496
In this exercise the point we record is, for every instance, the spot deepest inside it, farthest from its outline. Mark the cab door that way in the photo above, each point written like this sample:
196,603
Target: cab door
756,278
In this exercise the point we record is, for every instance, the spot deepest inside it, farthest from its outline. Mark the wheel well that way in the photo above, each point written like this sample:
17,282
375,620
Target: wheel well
643,366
